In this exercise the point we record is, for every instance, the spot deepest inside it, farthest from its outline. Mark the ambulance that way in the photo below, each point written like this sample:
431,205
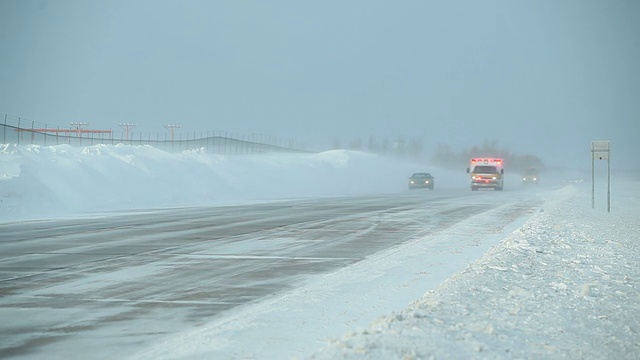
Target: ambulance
486,173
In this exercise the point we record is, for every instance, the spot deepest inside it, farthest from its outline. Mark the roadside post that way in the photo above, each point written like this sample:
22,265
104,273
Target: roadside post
600,150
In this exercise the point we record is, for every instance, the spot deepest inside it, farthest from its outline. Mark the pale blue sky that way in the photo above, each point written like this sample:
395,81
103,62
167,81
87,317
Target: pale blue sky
540,77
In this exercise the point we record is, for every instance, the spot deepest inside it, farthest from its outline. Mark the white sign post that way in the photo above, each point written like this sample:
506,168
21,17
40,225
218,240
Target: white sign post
601,150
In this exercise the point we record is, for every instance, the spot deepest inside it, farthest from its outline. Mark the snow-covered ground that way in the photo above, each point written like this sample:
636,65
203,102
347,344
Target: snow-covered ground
563,284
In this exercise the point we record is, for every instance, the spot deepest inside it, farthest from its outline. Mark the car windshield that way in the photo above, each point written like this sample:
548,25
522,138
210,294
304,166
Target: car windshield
482,169
530,171
421,175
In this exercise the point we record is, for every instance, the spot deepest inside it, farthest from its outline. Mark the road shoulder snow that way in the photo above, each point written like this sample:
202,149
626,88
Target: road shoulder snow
564,285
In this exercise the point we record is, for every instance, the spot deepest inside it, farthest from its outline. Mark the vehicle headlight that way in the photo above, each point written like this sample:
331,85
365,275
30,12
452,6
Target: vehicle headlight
494,178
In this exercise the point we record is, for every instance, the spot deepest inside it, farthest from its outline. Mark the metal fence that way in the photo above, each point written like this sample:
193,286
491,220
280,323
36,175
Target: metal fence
24,132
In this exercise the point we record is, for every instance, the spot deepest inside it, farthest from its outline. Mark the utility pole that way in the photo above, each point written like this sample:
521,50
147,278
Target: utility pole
172,128
78,127
126,128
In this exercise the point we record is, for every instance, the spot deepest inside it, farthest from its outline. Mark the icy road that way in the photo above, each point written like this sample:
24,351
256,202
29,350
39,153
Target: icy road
121,285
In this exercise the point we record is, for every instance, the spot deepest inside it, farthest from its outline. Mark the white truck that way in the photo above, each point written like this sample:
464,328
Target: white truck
486,173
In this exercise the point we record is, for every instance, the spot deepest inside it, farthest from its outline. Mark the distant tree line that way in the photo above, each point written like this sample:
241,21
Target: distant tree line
442,156
445,157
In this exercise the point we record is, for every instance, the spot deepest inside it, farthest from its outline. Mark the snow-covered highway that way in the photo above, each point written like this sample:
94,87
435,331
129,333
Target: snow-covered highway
116,284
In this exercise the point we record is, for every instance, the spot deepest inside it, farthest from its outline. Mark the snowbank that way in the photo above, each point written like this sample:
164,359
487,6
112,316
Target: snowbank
54,181
565,285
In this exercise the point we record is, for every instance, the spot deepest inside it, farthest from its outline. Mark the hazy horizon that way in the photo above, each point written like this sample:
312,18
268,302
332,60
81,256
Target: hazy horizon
542,78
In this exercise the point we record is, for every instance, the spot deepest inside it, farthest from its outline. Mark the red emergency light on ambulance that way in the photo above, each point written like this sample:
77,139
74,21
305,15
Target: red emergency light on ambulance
486,173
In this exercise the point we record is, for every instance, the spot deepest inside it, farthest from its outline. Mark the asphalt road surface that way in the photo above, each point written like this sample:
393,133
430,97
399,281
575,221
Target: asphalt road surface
106,285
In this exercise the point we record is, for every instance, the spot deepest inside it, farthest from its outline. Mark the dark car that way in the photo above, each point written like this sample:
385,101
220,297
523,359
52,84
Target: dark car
530,176
421,180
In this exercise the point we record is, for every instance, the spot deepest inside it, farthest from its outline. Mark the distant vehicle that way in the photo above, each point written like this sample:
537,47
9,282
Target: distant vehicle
421,180
486,173
530,175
